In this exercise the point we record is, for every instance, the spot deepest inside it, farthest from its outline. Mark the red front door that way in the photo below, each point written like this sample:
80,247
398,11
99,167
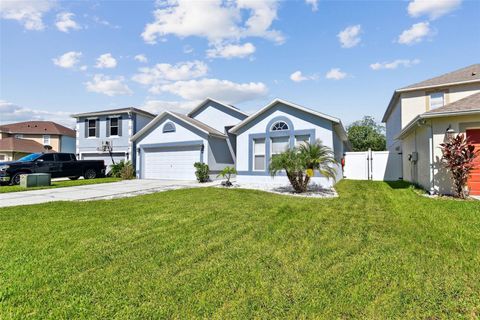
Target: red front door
474,181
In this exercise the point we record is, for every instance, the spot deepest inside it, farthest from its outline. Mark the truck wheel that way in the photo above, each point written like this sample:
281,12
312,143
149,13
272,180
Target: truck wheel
74,178
15,180
90,174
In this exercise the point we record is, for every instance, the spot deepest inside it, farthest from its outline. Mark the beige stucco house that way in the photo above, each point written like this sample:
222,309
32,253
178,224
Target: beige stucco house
419,117
22,138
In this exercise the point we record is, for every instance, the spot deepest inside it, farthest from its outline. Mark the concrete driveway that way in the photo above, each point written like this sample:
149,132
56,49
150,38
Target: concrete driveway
121,189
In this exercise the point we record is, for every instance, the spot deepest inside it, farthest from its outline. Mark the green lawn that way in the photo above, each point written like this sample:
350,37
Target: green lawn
379,251
60,184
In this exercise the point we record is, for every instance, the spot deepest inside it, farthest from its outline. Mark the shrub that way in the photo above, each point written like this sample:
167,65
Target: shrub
227,173
202,171
301,163
458,156
122,169
127,172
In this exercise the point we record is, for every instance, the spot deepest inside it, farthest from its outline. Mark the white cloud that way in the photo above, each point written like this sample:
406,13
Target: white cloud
28,12
394,64
65,22
13,113
158,106
335,74
231,51
297,76
187,49
415,34
141,58
162,72
432,8
313,3
350,36
109,86
215,20
106,61
223,90
68,60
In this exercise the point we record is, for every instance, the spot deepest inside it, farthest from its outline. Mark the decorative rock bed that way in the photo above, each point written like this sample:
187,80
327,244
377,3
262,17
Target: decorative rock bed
313,191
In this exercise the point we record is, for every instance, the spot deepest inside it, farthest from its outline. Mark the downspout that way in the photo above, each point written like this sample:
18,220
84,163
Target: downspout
432,159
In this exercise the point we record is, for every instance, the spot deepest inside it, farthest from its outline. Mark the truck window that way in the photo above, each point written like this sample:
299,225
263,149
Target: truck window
64,157
47,157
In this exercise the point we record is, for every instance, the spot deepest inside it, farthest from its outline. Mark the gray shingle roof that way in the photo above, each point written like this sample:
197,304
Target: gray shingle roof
470,103
199,124
465,74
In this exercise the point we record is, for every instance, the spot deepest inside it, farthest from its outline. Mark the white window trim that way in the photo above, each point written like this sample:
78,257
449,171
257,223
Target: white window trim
49,140
264,155
88,129
118,126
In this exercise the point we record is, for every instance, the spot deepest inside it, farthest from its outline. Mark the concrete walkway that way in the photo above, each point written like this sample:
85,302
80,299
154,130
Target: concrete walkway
121,189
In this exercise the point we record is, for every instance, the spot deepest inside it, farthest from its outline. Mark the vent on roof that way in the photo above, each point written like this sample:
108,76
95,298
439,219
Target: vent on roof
474,73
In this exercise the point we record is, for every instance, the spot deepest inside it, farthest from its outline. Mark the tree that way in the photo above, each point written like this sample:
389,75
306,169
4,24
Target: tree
458,156
367,134
301,163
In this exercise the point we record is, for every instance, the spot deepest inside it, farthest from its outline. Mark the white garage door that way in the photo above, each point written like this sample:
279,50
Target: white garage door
171,163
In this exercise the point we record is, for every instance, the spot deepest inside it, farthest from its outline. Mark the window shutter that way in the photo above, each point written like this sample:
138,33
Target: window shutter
86,128
108,127
97,128
120,124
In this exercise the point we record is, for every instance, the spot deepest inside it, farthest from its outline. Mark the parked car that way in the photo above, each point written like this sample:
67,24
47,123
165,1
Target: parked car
57,164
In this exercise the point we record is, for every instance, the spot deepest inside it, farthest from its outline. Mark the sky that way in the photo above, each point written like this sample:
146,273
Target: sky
342,58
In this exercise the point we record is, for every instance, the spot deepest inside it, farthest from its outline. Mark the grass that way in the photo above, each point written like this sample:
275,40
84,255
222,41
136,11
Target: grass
60,184
379,251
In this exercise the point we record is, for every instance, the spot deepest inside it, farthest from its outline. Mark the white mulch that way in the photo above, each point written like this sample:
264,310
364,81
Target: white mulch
314,190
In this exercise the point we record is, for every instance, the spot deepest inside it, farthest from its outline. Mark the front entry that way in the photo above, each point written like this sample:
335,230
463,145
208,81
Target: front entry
473,136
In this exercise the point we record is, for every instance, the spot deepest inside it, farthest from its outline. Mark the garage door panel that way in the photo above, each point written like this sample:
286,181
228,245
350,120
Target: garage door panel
171,163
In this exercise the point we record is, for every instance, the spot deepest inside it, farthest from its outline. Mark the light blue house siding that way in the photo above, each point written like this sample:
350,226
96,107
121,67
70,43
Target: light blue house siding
89,147
67,144
302,126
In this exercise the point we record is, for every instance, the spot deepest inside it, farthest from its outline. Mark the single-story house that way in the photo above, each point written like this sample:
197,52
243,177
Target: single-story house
171,143
278,126
221,135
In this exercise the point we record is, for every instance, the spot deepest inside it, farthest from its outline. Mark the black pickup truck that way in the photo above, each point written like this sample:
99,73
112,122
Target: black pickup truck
57,164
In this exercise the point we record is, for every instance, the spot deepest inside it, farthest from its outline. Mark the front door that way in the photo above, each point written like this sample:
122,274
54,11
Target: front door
473,136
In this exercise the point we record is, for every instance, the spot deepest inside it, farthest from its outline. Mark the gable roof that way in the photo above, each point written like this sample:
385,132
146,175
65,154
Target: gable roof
195,123
12,144
228,106
290,104
37,127
470,74
465,106
467,74
114,111
470,103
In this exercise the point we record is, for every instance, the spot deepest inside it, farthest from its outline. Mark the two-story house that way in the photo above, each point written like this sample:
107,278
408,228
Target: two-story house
100,130
421,116
22,138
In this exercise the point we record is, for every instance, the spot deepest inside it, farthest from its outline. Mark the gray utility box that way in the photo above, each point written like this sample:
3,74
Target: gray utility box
35,180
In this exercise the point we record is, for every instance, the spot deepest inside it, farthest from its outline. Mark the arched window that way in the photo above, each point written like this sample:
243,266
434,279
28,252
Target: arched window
168,127
279,126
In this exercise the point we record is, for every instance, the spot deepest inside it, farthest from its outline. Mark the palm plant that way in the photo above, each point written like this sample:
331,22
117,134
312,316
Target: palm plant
226,173
301,163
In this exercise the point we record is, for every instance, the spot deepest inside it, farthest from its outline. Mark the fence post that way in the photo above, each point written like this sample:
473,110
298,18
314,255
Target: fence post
370,164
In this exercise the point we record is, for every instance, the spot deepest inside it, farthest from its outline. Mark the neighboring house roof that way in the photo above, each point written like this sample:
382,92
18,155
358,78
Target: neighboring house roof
336,121
184,118
470,74
12,144
233,108
113,111
37,127
465,106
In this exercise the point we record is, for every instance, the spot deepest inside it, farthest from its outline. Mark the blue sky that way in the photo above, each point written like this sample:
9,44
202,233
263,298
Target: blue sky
343,58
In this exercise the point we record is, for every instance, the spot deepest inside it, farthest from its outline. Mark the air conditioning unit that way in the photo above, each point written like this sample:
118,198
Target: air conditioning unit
105,145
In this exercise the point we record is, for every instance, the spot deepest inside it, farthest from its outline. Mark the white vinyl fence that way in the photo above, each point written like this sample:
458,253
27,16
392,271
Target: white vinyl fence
373,165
